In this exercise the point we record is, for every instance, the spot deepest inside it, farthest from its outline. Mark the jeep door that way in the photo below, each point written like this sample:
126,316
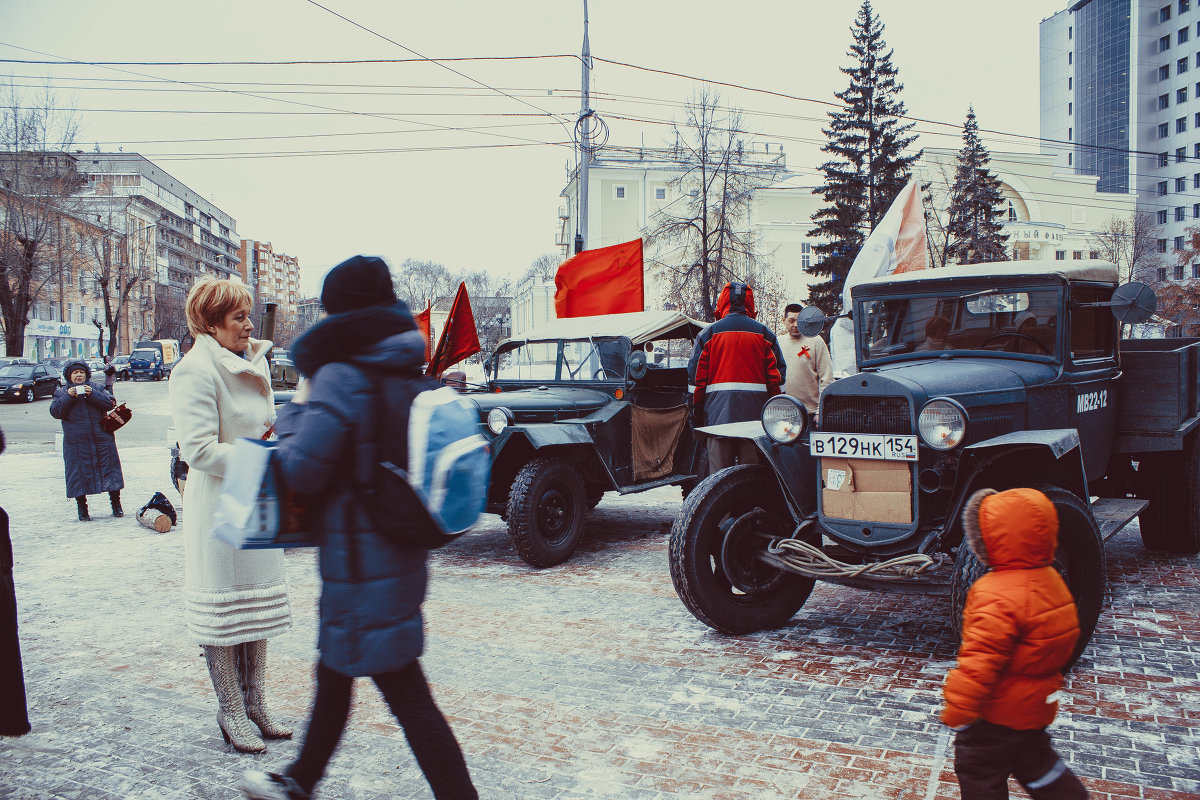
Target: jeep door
1090,366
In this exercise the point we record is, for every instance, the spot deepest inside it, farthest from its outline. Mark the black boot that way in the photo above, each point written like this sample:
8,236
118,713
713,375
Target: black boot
115,499
81,501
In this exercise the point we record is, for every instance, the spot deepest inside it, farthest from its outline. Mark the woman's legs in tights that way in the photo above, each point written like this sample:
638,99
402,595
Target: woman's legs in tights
429,735
330,712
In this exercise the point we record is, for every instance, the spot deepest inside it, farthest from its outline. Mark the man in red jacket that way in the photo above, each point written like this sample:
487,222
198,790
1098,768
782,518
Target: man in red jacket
736,365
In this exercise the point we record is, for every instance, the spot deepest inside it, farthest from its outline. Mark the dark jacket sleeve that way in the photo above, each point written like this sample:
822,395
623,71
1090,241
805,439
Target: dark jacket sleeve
60,406
101,399
315,438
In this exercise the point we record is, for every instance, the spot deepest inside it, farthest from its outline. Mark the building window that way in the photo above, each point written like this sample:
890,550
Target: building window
1181,95
1178,242
1070,82
1162,274
1164,72
1164,43
1181,66
1070,134
1071,56
1069,154
1164,130
660,193
1164,14
1196,180
1094,255
1182,35
1164,101
1162,188
619,192
1070,108
1181,125
1163,159
1160,216
1184,5
1077,255
1162,245
1180,155
1179,272
1070,31
1060,255
805,255
1181,184
1179,214
1195,210
1012,212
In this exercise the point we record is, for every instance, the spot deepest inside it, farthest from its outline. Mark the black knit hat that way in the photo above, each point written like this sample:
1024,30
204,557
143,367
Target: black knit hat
356,283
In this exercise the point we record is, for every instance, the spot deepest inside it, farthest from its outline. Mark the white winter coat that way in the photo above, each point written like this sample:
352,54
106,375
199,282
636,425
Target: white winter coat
231,595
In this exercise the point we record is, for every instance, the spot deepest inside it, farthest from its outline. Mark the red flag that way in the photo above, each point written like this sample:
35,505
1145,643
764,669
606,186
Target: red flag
422,318
459,338
603,281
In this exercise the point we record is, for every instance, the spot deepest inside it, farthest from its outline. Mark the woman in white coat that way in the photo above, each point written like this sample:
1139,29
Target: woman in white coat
234,599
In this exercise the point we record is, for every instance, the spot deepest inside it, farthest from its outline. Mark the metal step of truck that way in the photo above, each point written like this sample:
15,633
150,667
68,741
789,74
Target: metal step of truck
1114,513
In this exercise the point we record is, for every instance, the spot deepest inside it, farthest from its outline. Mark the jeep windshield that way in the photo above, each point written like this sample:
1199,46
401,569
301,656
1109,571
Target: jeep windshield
592,359
991,321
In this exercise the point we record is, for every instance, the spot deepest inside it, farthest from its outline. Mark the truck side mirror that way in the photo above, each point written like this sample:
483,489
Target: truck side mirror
1133,302
810,322
636,369
487,367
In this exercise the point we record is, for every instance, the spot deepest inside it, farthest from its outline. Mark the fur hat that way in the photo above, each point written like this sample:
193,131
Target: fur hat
74,365
970,519
356,283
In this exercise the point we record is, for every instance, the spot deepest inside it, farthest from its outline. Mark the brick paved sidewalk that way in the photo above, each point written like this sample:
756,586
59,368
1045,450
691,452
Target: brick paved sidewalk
589,680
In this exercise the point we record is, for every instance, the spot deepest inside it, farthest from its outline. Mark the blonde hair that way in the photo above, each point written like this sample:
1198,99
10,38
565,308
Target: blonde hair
211,299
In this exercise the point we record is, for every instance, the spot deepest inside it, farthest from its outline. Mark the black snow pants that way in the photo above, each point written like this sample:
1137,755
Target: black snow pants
985,755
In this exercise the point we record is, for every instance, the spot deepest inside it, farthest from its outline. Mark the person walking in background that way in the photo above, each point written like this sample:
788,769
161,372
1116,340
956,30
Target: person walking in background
110,376
372,585
736,365
809,367
1019,630
14,713
235,600
93,465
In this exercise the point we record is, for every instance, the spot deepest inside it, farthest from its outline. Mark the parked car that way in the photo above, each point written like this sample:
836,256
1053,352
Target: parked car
581,407
56,365
27,382
284,374
121,364
6,360
1029,387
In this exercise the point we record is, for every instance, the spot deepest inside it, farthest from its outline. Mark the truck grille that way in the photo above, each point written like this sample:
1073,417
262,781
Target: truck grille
852,414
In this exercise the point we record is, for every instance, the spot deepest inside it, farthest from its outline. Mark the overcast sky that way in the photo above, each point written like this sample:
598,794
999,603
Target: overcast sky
485,197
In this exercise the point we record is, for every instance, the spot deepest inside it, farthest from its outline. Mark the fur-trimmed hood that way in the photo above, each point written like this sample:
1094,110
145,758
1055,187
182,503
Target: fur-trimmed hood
1014,529
376,337
87,371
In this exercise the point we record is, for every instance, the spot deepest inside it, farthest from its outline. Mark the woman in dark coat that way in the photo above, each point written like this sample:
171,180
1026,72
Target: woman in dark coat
14,716
372,584
90,452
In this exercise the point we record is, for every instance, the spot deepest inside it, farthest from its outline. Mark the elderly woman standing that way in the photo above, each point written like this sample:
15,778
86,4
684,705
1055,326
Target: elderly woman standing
90,452
235,599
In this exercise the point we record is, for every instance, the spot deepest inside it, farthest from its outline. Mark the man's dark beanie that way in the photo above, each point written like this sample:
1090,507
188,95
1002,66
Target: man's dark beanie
356,283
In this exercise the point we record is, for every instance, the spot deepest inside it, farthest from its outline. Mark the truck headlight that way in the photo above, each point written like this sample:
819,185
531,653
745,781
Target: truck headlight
498,419
784,418
942,424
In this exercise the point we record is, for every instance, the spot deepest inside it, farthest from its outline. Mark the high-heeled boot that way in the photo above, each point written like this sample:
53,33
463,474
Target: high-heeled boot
231,711
115,499
252,666
81,502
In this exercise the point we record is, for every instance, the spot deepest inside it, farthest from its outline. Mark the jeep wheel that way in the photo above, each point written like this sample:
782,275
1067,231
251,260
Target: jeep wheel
723,526
1079,560
1171,482
546,509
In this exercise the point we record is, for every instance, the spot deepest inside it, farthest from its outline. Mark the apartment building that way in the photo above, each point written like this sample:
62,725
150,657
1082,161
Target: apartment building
275,278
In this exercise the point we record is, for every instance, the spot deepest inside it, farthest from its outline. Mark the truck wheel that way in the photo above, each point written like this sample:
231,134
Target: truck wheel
1079,560
687,487
546,509
723,526
1171,482
594,495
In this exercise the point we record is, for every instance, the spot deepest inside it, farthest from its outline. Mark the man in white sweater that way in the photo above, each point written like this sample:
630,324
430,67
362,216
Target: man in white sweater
809,368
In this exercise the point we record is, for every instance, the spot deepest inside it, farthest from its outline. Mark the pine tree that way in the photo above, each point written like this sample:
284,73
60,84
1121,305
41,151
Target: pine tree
976,204
867,168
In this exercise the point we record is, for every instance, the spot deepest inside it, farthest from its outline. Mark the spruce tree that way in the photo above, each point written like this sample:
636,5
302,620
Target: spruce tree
976,204
867,166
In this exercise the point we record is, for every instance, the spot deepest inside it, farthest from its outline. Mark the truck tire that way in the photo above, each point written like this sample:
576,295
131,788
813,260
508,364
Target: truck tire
745,502
1171,482
546,510
594,495
1079,560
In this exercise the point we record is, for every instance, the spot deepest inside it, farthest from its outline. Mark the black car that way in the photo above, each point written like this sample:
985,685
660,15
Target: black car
56,365
581,407
27,382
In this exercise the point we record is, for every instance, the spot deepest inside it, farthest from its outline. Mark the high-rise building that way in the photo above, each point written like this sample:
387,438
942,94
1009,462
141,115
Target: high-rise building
1120,99
275,277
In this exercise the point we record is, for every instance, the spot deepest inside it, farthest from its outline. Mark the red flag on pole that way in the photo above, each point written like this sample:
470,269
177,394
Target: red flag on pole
603,281
459,338
422,318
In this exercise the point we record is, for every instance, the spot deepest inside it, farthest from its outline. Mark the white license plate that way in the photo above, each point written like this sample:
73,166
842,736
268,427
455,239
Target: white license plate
863,445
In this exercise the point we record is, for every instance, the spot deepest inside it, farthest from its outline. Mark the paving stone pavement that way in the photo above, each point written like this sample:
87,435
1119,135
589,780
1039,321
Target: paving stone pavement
588,680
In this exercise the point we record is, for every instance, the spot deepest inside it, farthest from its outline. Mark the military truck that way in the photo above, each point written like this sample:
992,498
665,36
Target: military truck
989,375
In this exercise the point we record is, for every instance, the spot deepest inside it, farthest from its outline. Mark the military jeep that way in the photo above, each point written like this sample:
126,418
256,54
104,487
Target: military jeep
580,407
989,375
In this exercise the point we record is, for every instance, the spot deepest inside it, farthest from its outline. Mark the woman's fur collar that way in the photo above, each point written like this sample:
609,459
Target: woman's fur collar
339,337
970,518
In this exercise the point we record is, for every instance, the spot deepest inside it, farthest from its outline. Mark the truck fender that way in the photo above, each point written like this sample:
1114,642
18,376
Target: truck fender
516,446
793,467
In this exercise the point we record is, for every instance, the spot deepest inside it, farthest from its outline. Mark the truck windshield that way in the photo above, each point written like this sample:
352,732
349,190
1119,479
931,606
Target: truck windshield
145,355
1007,320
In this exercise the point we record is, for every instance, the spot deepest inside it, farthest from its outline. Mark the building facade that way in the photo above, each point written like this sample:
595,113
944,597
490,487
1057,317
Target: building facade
275,278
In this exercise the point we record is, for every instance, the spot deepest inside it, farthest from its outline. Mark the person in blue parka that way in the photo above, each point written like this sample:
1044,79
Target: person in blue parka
372,584
90,452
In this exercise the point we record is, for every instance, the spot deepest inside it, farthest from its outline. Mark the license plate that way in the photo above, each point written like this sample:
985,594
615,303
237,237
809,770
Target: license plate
863,445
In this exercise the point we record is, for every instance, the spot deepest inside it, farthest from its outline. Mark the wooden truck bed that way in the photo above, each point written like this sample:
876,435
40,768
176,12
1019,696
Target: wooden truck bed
1158,400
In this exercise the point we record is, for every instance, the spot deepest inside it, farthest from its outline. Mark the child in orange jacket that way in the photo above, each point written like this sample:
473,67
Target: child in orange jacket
1019,629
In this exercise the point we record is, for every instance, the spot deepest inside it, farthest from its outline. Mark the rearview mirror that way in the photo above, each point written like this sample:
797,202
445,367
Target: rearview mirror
1133,302
811,321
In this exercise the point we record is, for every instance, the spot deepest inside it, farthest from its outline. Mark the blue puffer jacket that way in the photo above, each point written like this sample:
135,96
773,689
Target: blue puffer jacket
372,586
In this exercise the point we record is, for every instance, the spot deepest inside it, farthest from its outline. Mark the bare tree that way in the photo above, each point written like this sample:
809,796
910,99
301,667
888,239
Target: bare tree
1130,242
170,322
37,181
491,298
704,240
121,267
419,283
543,268
937,197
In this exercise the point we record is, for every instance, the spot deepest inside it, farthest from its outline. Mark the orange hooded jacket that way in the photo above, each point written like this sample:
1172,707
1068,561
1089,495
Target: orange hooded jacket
1020,624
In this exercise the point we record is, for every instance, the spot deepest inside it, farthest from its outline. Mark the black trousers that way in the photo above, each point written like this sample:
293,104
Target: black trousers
985,755
408,696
